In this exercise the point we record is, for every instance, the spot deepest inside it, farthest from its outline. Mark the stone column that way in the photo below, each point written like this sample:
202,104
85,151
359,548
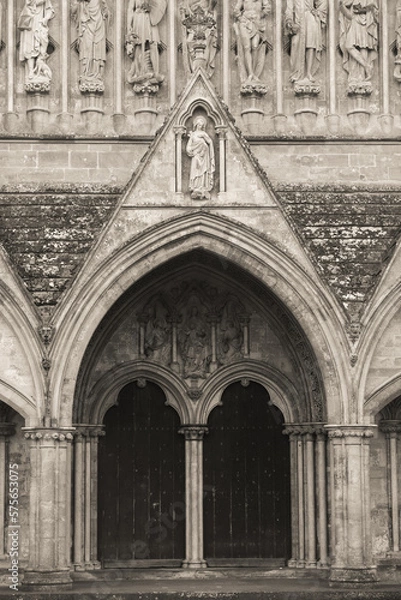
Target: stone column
49,507
6,430
308,495
392,429
85,497
350,503
194,495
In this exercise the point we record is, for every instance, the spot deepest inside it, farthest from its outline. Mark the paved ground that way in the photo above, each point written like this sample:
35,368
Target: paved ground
217,588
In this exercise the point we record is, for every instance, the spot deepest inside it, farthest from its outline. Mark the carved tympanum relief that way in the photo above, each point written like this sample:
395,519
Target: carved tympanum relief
305,21
142,43
250,31
194,328
359,42
201,151
91,20
33,25
199,35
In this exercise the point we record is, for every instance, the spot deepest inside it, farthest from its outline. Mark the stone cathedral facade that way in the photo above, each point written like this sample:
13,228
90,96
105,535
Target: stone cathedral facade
200,325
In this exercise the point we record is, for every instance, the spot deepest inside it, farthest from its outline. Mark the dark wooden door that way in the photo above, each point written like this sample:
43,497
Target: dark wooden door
246,478
141,480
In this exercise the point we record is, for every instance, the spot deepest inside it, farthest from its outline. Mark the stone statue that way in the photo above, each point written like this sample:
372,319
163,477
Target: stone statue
397,69
200,149
142,42
34,40
231,337
91,19
199,43
305,20
250,31
157,335
359,42
195,344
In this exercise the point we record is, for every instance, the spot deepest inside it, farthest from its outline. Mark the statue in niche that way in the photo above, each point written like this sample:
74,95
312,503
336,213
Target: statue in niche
194,343
91,18
142,42
231,336
199,46
250,31
359,42
397,69
305,21
157,334
33,24
200,149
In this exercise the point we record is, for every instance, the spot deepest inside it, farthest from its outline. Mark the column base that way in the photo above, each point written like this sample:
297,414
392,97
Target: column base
194,564
45,580
350,575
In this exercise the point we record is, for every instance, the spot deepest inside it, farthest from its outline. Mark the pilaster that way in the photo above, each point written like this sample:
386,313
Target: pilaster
392,430
49,507
350,504
194,495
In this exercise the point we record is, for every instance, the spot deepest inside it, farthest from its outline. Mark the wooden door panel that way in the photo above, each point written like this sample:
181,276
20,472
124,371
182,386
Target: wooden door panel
246,476
141,480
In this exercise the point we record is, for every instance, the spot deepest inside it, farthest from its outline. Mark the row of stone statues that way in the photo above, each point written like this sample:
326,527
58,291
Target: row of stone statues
305,21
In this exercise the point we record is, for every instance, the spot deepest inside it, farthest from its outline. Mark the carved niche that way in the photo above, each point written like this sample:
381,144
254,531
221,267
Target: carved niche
194,328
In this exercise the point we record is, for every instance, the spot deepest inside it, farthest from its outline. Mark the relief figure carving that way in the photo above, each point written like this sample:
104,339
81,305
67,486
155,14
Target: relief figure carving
157,334
200,149
199,33
195,344
305,21
33,24
143,40
91,21
231,335
359,42
250,30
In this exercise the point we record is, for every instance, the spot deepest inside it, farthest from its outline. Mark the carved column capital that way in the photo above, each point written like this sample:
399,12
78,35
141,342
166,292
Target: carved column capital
350,431
193,432
48,434
179,131
390,428
221,131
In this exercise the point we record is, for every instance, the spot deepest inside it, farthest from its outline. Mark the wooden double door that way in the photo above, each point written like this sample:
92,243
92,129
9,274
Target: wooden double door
246,495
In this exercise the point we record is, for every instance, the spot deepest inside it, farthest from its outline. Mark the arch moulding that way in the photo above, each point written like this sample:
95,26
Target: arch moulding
303,296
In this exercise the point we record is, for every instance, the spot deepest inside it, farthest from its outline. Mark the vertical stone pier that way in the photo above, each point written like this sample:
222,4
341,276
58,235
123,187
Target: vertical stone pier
351,541
50,507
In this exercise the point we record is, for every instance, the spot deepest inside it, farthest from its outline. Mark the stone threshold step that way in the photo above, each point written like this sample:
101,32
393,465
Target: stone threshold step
189,595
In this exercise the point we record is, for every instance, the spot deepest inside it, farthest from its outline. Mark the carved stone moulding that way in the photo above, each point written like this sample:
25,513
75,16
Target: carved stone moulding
306,89
363,88
91,87
253,88
37,87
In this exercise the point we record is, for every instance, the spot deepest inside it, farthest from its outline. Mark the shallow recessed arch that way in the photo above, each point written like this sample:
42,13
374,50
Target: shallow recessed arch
382,396
377,322
98,289
282,392
18,401
30,407
105,392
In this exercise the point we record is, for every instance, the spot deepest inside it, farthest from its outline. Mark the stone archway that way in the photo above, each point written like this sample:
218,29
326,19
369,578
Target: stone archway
194,326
